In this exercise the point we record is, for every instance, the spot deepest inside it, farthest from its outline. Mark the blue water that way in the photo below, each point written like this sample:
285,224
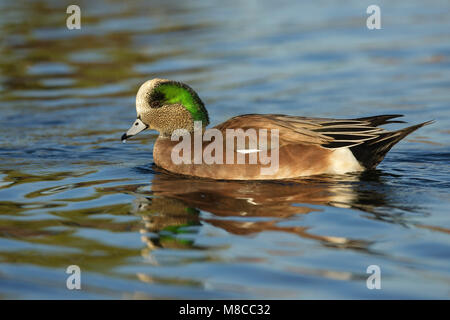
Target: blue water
72,194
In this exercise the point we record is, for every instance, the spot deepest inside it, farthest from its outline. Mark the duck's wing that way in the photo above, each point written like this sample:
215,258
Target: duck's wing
368,142
328,133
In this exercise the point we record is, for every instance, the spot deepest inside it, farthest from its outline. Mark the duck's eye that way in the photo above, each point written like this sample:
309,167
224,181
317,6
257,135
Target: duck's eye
157,96
136,124
156,99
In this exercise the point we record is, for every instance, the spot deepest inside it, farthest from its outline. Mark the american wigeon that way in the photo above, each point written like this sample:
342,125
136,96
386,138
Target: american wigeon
306,146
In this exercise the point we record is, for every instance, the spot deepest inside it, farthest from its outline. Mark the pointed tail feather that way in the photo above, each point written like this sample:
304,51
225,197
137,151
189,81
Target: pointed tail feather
372,152
383,119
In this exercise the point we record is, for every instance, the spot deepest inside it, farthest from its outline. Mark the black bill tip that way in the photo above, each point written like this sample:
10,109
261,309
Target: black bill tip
124,137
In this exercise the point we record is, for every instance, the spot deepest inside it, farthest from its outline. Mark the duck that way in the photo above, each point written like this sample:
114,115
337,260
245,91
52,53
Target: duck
300,146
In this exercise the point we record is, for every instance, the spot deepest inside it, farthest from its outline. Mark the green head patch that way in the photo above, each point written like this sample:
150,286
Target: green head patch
173,92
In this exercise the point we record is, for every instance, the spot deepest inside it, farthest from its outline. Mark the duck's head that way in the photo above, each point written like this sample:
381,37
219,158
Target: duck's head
165,105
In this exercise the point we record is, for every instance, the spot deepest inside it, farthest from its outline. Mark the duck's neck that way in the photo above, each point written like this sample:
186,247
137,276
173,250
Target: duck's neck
167,119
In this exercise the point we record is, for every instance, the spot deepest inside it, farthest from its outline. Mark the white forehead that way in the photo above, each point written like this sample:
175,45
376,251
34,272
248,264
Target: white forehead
141,96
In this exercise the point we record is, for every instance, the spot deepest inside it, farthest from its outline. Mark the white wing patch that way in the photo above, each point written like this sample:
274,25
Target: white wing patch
246,151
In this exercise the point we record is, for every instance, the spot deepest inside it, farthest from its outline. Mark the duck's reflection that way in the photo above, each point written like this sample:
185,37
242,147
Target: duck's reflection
174,203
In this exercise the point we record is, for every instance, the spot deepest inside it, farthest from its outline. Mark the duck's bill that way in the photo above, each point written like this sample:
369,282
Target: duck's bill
135,128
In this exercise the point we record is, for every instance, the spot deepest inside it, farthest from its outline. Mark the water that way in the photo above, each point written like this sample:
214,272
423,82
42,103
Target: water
72,194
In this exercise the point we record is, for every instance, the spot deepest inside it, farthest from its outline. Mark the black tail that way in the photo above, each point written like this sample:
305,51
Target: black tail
376,121
372,152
